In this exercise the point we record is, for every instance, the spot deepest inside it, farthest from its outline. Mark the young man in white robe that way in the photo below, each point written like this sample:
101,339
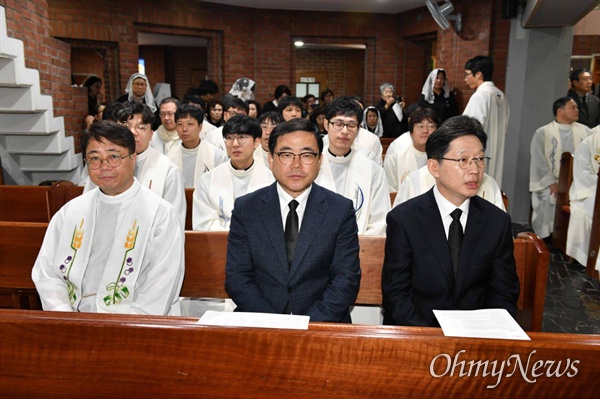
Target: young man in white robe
194,156
267,121
422,122
235,106
582,196
490,107
547,145
218,189
350,173
153,169
117,248
166,135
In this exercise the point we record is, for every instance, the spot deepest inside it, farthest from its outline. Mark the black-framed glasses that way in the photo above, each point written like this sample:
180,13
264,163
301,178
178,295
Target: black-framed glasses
339,125
241,138
464,163
113,160
306,158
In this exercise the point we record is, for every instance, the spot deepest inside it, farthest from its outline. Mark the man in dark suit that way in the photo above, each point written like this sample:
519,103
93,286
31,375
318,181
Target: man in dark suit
293,246
448,248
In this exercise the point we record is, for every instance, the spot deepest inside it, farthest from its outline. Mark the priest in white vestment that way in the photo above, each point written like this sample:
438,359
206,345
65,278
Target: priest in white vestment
117,248
422,122
194,156
547,145
268,121
488,105
349,172
235,107
166,135
582,196
152,169
218,189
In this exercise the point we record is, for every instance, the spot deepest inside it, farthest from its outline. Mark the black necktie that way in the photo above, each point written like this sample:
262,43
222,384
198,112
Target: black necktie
291,230
455,236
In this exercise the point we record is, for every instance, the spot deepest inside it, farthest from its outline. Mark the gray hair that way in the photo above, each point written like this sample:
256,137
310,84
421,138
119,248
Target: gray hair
386,86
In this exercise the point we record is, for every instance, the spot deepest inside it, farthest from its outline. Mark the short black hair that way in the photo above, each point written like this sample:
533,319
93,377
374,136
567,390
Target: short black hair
131,108
308,96
422,113
91,80
287,101
291,126
236,103
208,87
482,64
575,74
188,110
560,104
344,106
194,99
274,117
281,90
256,104
111,111
110,131
168,100
242,124
439,141
324,93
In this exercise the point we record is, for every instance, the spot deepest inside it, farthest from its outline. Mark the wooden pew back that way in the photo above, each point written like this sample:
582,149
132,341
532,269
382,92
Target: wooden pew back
24,204
594,236
54,354
562,211
189,201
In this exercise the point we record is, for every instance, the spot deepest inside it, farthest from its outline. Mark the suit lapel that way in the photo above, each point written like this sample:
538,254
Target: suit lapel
475,224
270,212
431,222
311,221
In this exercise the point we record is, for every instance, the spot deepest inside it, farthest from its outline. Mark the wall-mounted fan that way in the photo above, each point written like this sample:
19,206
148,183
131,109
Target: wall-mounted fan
441,14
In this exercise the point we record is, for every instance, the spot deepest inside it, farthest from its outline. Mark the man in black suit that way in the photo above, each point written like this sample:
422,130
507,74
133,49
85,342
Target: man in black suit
293,246
433,261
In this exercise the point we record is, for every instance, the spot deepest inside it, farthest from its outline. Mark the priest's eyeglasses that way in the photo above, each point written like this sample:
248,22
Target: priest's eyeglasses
241,138
113,160
339,125
306,158
464,163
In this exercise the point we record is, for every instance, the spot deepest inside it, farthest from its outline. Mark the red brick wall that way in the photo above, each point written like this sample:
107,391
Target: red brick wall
181,61
586,45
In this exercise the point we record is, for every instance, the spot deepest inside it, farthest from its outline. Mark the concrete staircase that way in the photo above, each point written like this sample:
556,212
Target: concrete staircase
33,145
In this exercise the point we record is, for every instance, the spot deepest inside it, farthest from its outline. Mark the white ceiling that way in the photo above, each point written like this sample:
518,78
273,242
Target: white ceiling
372,6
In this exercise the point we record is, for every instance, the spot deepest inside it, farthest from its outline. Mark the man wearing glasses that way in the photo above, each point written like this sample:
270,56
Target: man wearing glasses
449,248
117,248
153,169
293,246
349,172
217,190
233,107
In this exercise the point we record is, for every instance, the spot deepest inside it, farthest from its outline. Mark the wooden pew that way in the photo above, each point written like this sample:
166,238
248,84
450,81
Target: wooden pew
594,236
385,143
205,254
189,201
563,210
24,204
54,354
60,193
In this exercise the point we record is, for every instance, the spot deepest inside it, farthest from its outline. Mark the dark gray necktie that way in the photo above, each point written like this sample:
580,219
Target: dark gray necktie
455,236
291,230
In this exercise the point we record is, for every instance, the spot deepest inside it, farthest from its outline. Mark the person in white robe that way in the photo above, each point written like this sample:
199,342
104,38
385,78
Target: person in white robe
152,169
422,122
235,107
420,181
166,135
547,145
399,143
488,105
268,121
582,196
194,156
350,173
218,189
117,248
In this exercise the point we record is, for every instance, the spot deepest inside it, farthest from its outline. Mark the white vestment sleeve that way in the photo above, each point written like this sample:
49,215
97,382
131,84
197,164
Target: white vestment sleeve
205,217
174,193
380,204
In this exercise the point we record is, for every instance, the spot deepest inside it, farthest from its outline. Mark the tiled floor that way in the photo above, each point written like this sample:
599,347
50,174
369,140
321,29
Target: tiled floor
572,298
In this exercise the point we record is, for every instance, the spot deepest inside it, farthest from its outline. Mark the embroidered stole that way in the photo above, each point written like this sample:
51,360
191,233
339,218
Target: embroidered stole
553,145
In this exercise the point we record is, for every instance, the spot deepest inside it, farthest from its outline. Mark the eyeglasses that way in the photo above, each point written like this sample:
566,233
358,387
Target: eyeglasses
468,73
421,126
339,125
241,138
113,160
163,114
140,128
139,83
464,163
234,113
267,126
306,158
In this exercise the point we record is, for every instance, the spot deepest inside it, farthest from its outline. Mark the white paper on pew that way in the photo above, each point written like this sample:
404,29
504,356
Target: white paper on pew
257,320
481,323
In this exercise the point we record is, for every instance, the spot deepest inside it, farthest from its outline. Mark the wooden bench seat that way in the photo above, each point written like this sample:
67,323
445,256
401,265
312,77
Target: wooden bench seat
54,354
562,211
